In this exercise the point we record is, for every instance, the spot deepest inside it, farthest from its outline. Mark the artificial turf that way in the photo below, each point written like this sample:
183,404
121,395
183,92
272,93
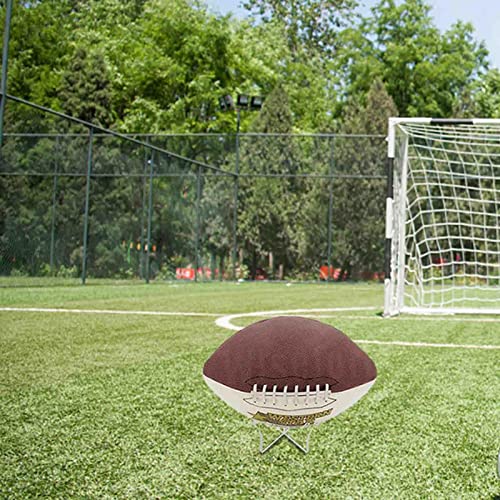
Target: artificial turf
114,406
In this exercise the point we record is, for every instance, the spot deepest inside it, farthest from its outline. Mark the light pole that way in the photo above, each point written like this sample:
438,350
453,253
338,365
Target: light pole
243,103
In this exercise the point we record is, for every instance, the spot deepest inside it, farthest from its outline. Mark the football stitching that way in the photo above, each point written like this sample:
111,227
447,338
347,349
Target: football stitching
293,408
333,381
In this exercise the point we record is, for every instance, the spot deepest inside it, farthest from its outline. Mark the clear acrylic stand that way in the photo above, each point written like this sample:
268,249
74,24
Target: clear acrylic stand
284,433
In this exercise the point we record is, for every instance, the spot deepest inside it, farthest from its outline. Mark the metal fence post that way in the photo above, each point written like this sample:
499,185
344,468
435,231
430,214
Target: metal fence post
330,208
142,266
236,193
54,197
150,214
87,202
198,224
5,59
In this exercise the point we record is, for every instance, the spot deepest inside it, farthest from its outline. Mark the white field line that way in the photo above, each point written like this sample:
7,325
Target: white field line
427,344
226,322
404,318
107,311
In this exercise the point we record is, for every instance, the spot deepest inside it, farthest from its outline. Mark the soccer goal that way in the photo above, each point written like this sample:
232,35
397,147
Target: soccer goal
443,216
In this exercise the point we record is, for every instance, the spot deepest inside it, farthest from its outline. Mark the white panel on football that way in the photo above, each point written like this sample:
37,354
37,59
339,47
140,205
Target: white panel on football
292,410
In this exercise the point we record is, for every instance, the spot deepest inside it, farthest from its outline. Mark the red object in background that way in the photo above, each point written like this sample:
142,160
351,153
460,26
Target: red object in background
206,272
334,273
188,273
260,274
184,273
439,261
371,276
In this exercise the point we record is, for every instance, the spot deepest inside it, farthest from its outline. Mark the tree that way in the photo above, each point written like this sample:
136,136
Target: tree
314,31
217,219
486,100
177,61
443,82
86,89
39,42
312,25
359,202
426,73
160,66
267,205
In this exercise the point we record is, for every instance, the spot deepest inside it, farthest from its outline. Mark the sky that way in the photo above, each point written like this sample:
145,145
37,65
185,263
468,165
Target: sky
483,14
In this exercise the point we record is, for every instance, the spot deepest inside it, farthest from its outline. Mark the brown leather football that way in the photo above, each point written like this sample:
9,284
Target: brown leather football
290,371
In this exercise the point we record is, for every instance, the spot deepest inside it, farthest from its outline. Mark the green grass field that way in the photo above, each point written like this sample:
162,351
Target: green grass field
114,406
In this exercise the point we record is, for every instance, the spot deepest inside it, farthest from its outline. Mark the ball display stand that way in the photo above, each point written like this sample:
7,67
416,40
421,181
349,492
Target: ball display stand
284,433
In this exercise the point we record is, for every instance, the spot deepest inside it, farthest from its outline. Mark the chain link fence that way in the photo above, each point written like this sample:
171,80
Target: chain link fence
192,207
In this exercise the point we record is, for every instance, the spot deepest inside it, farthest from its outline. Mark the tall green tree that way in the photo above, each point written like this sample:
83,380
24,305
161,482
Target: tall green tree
359,202
314,34
86,89
40,40
486,101
312,25
426,72
266,209
176,67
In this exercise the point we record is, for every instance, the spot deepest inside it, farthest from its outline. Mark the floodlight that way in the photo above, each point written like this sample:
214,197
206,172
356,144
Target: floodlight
243,101
256,102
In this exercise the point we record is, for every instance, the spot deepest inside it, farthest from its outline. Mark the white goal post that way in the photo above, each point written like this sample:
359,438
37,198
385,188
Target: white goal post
442,252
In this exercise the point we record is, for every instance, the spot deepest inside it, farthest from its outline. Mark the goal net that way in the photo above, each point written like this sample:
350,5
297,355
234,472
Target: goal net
443,216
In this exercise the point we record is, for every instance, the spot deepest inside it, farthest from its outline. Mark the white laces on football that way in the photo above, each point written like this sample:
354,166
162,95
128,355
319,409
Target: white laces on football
306,397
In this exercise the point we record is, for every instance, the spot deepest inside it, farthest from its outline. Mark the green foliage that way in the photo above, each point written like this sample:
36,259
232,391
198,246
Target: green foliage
359,233
308,24
267,206
85,91
426,72
160,66
487,99
217,208
39,43
183,51
276,116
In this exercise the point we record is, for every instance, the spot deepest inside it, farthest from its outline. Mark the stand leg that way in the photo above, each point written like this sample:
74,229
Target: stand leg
284,433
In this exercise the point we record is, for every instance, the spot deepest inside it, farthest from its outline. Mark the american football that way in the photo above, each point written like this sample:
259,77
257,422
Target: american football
289,372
